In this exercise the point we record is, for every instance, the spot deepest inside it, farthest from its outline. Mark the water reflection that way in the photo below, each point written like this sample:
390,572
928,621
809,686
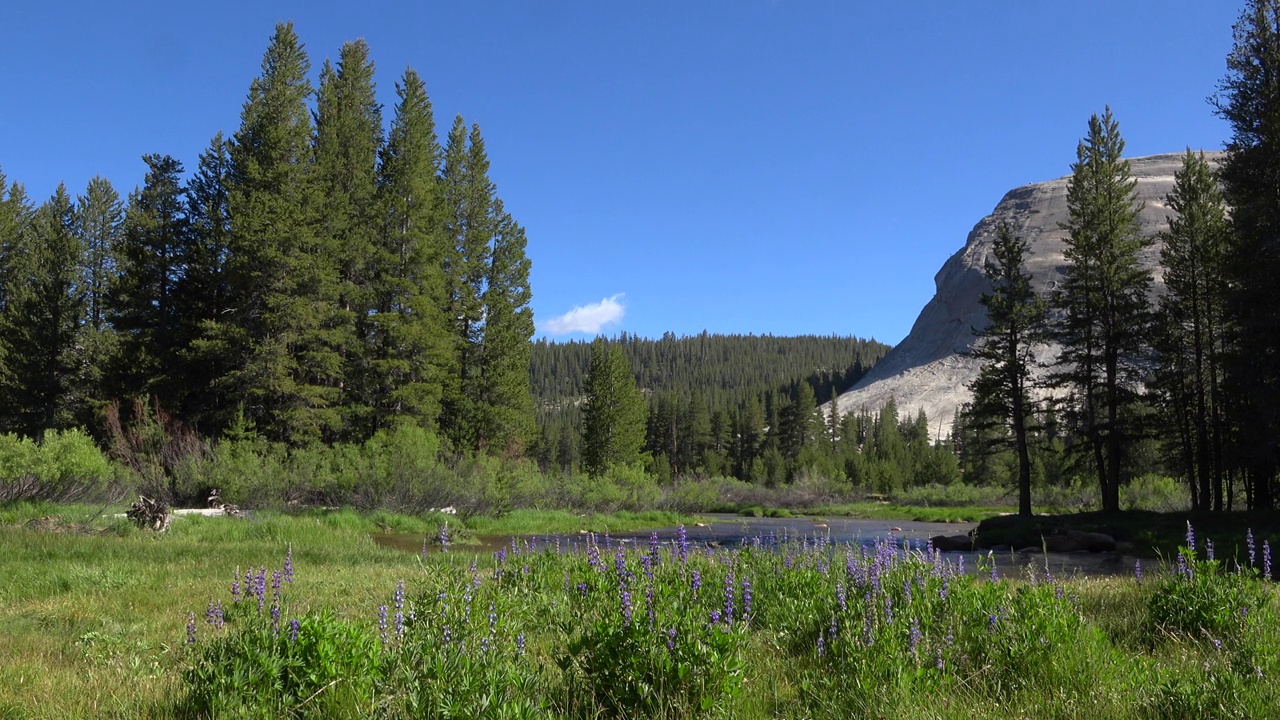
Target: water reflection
727,531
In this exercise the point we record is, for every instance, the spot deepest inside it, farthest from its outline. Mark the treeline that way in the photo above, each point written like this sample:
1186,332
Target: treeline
320,277
1199,370
714,404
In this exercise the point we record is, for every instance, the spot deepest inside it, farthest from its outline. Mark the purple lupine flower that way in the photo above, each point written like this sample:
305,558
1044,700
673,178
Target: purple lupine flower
382,623
1208,549
728,598
696,582
288,564
1183,570
620,561
715,617
822,646
626,607
646,561
520,644
445,635
1191,536
650,610
275,620
608,543
294,627
1266,559
444,537
995,575
260,587
746,598
906,592
991,622
593,556
501,555
960,566
1137,570
1248,540
682,539
493,620
276,578
913,638
671,639
888,609
939,664
235,590
867,630
582,589
399,605
653,544
191,628
1057,591
786,562
1217,644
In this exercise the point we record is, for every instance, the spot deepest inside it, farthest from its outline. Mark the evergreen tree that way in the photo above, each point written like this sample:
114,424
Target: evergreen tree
799,422
1103,299
1015,326
407,335
42,322
140,304
202,294
99,218
348,137
505,399
613,417
1190,331
285,330
468,227
1249,100
15,218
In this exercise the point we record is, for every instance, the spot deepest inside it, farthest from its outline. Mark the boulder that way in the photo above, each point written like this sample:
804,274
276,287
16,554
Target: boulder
952,543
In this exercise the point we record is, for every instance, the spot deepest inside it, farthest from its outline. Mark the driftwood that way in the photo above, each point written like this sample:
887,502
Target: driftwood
150,513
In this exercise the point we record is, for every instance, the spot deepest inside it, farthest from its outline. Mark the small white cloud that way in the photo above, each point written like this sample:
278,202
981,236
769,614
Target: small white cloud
588,318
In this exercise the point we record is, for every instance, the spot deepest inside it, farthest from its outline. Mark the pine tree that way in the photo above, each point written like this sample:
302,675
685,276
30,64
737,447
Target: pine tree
613,417
202,295
1104,300
1016,320
348,137
41,326
284,331
407,335
505,399
99,223
141,302
15,219
1190,330
1249,100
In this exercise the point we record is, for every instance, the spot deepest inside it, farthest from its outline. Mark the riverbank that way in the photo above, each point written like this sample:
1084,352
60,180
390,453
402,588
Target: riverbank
1142,533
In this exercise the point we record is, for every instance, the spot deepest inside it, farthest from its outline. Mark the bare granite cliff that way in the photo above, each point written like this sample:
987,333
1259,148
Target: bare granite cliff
929,369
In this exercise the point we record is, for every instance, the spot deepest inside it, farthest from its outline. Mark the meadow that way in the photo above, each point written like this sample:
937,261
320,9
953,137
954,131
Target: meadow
304,616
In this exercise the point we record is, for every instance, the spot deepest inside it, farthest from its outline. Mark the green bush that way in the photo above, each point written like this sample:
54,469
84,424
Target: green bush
64,466
1157,493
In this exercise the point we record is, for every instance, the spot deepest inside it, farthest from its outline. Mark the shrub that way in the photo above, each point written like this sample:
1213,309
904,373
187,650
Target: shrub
65,466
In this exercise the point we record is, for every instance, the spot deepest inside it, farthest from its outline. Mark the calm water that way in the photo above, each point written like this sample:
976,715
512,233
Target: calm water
733,531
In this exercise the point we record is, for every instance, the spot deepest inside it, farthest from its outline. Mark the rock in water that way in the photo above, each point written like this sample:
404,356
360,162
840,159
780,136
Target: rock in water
929,369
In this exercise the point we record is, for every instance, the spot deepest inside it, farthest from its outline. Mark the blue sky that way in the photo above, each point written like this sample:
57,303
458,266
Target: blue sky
740,166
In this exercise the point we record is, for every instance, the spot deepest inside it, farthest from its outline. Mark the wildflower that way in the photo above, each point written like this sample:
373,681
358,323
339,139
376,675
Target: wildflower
1208,549
650,611
235,590
294,626
671,639
582,589
1183,570
942,589
382,623
888,610
746,598
913,638
939,664
1217,644
867,628
715,617
1137,570
682,539
994,574
653,544
275,620
696,582
260,587
501,555
275,585
991,622
646,561
288,564
191,628
399,603
493,620
444,537
821,645
1248,540
626,607
1191,536
520,644
620,562
1266,559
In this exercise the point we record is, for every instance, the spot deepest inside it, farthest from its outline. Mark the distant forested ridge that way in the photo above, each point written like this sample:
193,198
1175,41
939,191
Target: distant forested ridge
717,404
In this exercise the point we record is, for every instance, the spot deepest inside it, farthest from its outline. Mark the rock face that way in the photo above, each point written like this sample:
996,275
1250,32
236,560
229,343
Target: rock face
929,369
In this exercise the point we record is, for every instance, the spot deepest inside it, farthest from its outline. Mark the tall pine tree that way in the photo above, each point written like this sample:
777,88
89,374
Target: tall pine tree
1015,326
408,339
1249,100
284,331
1104,300
613,417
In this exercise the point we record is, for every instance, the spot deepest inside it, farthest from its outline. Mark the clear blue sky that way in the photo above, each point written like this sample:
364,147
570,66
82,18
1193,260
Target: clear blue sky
763,166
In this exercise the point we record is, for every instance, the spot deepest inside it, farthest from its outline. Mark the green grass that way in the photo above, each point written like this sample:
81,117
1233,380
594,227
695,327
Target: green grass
92,624
890,511
549,522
